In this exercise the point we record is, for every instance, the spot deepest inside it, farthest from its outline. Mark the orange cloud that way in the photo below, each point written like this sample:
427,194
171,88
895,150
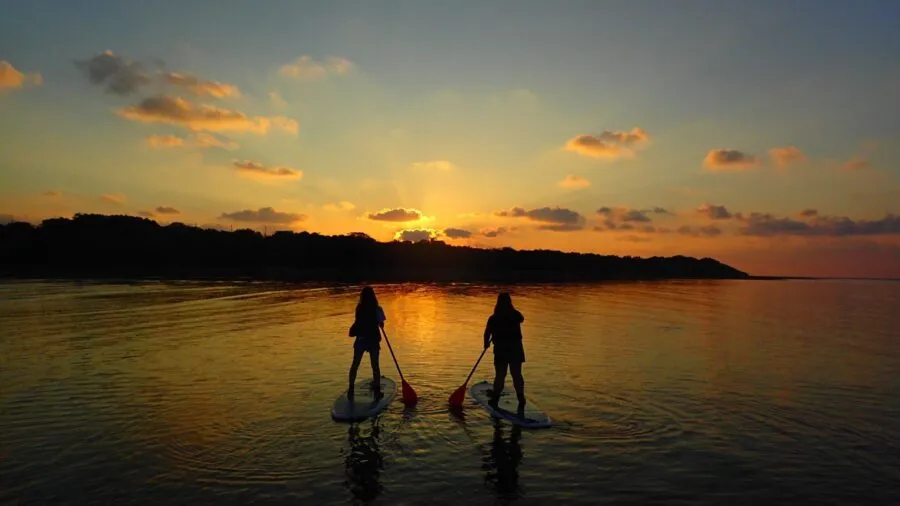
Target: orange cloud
609,145
307,68
858,163
258,170
441,165
786,156
114,198
178,111
202,88
198,140
727,159
10,78
573,182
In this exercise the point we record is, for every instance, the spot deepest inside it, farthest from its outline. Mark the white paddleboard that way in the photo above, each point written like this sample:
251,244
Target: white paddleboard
507,405
363,405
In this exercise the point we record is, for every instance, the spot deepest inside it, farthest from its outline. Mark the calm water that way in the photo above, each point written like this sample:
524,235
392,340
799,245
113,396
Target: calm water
744,392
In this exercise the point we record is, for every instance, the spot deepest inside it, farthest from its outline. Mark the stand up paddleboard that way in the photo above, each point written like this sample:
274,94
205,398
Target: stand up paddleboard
507,405
363,405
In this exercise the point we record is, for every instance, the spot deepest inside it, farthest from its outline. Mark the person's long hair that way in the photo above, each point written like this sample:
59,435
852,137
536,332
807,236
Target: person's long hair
368,302
504,304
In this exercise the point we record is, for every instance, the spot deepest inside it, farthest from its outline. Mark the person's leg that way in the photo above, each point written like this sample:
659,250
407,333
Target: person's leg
376,372
499,379
515,369
357,358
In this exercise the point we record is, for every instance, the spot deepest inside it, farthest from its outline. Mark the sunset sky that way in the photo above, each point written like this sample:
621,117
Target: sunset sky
763,134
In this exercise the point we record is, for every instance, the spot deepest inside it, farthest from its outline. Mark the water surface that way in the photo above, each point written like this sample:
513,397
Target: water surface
692,392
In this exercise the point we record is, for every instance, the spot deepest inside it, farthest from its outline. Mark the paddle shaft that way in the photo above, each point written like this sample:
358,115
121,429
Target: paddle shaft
388,341
477,362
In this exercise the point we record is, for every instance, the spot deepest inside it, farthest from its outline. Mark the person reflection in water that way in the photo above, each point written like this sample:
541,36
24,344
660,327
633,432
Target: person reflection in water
363,463
504,328
501,463
366,329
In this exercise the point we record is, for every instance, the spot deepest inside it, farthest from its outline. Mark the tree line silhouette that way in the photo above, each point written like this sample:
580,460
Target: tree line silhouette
105,246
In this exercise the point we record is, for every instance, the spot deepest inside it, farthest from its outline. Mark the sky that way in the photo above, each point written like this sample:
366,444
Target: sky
762,134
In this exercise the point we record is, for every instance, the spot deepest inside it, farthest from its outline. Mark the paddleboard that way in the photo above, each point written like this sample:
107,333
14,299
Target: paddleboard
507,405
363,405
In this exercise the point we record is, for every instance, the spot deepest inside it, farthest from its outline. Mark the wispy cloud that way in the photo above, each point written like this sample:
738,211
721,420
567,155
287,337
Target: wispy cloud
277,100
198,140
493,231
438,165
573,182
202,88
728,159
178,111
399,214
114,198
52,193
10,78
701,231
815,224
254,169
340,206
264,215
117,74
167,210
307,68
714,212
609,144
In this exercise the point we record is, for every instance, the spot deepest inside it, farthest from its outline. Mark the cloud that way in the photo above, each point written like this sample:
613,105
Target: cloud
493,232
10,78
277,100
198,140
167,210
609,144
786,156
715,212
858,163
146,214
767,225
118,75
701,231
114,198
619,218
306,68
202,88
416,234
340,206
634,238
728,159
254,169
808,213
456,233
574,182
52,193
178,111
263,215
439,165
558,219
397,215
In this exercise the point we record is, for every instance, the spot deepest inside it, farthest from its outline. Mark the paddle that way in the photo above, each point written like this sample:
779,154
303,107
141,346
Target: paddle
409,395
457,397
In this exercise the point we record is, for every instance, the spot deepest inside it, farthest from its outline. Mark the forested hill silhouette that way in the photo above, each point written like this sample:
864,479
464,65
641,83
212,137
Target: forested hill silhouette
91,245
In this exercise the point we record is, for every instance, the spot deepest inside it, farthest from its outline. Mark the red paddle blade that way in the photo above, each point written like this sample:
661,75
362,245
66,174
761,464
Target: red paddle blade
457,397
409,395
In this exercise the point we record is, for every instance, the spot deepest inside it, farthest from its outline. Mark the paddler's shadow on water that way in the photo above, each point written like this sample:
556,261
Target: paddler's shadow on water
363,462
500,461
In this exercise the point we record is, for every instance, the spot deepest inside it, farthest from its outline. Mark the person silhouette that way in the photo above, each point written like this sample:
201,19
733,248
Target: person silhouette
366,328
504,329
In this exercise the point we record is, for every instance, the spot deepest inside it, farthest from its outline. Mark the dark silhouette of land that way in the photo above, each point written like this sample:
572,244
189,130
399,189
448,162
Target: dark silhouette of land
102,246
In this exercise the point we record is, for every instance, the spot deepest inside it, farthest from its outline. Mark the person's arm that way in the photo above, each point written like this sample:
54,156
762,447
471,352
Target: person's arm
381,317
487,334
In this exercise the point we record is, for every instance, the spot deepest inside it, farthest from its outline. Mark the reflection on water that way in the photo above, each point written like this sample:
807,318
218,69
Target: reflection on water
501,462
662,392
364,462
